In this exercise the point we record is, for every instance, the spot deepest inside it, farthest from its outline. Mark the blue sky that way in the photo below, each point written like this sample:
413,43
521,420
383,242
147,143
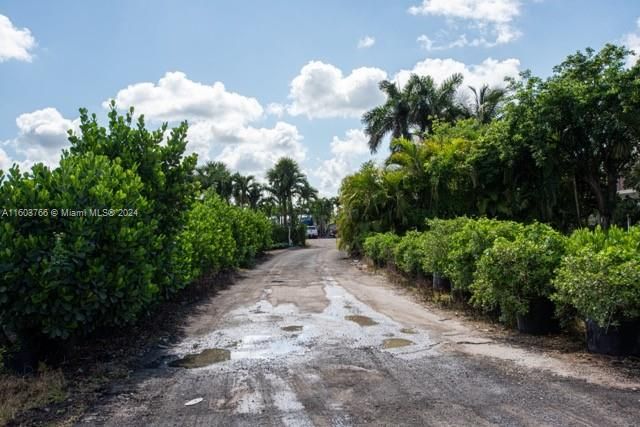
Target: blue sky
261,79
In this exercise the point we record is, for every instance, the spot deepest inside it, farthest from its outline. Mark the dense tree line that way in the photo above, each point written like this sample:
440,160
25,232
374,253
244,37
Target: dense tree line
551,150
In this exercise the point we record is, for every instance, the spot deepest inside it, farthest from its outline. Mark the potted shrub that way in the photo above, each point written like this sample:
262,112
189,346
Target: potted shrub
467,246
437,243
380,248
408,253
600,277
516,278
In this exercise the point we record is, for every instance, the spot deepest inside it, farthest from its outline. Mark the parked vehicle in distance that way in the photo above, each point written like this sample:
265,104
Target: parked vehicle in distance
312,232
333,230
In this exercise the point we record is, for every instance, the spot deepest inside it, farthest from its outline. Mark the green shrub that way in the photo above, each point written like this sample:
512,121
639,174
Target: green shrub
251,232
437,243
600,275
207,242
280,235
69,275
158,159
511,274
380,248
409,252
469,243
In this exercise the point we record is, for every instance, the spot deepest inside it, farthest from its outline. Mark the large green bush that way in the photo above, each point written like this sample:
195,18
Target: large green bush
380,248
207,244
218,236
158,158
469,243
437,243
67,275
513,273
600,275
409,252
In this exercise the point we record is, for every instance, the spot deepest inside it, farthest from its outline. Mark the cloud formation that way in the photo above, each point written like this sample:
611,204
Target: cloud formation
347,155
490,71
15,43
42,134
321,90
366,42
632,41
222,124
489,17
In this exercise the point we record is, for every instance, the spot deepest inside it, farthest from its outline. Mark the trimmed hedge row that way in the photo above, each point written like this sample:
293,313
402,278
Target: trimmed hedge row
68,275
506,266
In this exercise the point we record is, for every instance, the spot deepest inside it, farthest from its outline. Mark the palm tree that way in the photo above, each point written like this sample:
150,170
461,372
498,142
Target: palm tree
417,105
217,176
429,101
254,195
390,117
285,180
485,103
241,186
322,211
410,157
307,194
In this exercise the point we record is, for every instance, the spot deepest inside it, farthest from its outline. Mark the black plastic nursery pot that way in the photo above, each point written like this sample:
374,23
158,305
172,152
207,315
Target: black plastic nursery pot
540,319
441,283
621,340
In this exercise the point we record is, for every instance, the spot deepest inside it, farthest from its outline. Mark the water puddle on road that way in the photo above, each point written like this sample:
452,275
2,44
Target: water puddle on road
408,331
200,360
292,328
395,343
361,320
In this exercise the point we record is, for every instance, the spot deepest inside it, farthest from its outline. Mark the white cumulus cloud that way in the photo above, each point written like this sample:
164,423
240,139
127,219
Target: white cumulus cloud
42,134
489,16
222,124
175,97
260,149
5,161
632,41
15,43
322,90
347,155
366,42
490,71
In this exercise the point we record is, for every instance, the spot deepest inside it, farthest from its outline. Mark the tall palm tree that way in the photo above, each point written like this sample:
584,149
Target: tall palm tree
307,194
322,211
217,176
285,180
417,105
390,117
241,186
254,195
429,101
485,103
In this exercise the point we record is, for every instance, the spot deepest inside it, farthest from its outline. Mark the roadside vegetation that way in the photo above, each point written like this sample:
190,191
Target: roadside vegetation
136,224
509,198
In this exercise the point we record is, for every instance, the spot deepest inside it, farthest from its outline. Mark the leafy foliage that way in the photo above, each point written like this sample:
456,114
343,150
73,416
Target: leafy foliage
380,248
69,275
409,252
600,275
512,273
469,243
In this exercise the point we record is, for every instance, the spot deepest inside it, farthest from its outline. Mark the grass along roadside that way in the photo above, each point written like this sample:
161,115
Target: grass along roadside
21,393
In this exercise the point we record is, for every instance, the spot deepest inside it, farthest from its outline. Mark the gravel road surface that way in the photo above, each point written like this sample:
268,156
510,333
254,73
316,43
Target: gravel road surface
308,339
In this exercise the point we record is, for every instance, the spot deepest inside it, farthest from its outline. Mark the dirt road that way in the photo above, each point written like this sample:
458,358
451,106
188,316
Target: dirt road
307,339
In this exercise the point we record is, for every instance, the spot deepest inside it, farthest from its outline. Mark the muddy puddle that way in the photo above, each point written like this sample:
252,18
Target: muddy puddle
361,320
408,331
395,343
292,328
202,359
